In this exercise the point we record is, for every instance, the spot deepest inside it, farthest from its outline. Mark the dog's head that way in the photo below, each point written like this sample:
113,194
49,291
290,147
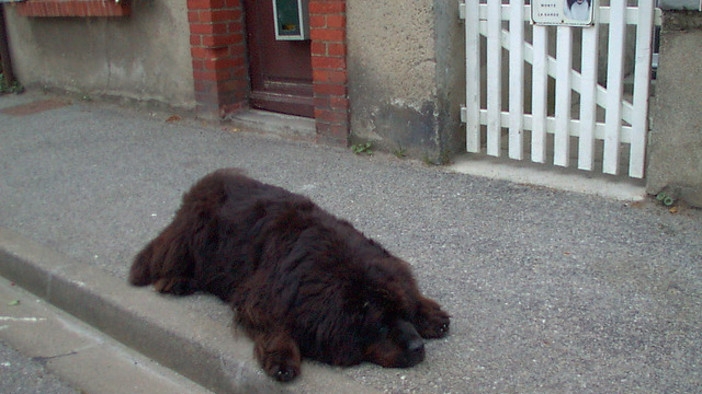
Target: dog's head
389,339
368,311
350,327
387,306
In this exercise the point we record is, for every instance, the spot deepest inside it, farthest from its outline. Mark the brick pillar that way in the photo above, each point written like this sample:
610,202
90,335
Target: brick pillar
218,49
330,82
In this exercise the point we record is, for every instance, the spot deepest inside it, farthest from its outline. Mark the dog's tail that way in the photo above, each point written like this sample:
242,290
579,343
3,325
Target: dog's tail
166,259
140,273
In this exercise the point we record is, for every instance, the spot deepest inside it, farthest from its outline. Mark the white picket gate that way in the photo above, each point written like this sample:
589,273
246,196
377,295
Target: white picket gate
620,125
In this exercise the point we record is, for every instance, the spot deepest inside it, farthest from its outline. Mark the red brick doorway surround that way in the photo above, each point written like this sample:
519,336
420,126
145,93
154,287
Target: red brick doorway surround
220,68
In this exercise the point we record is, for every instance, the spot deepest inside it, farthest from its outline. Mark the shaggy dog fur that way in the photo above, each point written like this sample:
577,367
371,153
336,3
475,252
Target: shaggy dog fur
302,282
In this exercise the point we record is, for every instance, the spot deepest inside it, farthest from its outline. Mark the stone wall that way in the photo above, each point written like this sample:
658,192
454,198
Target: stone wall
404,65
675,141
141,56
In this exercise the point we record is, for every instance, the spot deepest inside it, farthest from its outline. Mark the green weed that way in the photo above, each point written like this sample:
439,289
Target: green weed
362,148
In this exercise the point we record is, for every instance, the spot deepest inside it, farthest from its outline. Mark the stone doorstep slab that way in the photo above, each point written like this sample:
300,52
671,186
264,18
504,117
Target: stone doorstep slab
159,327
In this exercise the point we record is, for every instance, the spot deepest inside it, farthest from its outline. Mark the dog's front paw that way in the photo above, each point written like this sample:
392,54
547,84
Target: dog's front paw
432,321
279,357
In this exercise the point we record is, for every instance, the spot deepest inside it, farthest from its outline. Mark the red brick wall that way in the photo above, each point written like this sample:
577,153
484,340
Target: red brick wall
220,69
328,34
80,8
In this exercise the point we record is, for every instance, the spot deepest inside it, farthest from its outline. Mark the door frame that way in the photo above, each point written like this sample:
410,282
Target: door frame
280,71
220,64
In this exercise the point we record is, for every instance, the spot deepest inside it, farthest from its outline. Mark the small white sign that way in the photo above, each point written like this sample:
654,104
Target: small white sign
562,12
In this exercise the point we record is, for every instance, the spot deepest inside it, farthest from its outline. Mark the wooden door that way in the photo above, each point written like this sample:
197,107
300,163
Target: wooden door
280,71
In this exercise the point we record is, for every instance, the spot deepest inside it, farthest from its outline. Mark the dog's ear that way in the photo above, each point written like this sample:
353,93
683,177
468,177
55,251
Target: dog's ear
393,280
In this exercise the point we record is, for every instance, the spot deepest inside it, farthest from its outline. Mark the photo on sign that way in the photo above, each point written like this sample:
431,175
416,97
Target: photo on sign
579,10
562,12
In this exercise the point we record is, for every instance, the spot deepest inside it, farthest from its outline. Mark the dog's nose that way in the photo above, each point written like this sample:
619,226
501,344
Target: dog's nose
415,352
416,346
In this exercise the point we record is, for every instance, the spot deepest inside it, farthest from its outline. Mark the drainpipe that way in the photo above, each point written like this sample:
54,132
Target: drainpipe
5,50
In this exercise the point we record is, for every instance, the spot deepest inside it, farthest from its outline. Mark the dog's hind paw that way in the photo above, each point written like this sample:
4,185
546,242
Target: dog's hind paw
175,286
285,374
279,356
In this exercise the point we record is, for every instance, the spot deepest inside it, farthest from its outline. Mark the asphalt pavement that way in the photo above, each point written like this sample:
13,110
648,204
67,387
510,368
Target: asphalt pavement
24,375
550,291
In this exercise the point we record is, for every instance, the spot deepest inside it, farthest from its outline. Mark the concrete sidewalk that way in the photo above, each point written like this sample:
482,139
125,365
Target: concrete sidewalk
550,291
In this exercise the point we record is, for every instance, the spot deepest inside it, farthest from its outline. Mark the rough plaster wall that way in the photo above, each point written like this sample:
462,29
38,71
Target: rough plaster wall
450,77
145,56
392,72
675,141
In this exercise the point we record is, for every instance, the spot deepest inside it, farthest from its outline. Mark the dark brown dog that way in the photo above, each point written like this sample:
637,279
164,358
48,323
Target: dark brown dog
301,281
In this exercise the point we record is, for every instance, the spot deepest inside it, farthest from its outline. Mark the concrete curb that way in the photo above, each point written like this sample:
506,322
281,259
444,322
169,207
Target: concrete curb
158,327
46,350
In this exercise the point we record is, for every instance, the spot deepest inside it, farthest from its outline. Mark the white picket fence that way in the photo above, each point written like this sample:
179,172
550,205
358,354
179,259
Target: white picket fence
625,122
